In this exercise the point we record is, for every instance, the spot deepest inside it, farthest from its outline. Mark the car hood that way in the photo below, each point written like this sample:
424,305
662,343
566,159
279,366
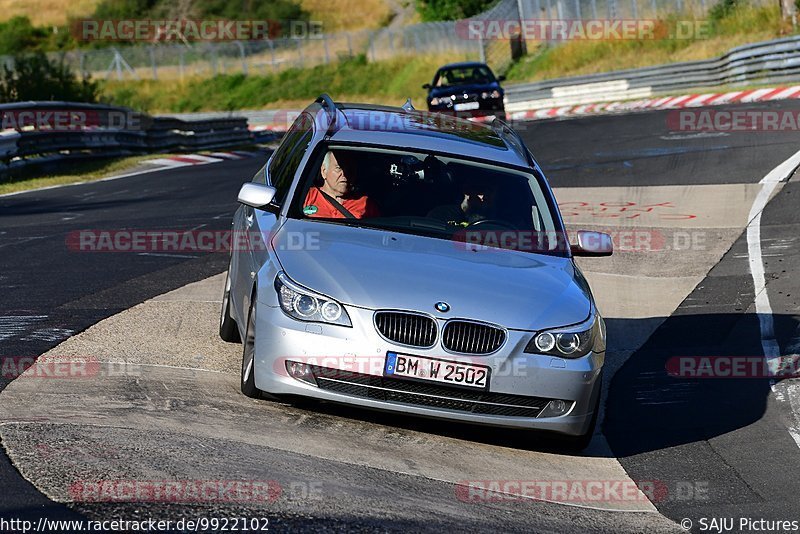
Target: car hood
461,89
380,269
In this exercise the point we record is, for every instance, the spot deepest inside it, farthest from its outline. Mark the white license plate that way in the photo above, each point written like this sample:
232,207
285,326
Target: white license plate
467,105
434,370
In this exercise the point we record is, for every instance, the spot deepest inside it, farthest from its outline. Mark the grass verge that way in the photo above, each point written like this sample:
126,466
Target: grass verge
74,172
712,37
352,79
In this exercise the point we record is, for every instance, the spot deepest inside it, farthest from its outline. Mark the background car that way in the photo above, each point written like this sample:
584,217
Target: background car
466,89
455,297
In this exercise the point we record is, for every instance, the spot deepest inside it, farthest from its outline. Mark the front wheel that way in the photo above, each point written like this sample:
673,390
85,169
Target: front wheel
248,381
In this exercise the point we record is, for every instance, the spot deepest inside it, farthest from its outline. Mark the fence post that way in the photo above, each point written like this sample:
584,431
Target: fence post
81,63
300,53
244,57
153,62
634,9
272,54
578,9
654,6
594,9
349,44
483,49
180,63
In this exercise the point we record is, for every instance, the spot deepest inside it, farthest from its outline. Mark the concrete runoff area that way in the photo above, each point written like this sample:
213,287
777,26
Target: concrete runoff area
172,376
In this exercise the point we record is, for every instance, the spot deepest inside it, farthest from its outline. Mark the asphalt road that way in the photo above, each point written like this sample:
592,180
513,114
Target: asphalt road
729,438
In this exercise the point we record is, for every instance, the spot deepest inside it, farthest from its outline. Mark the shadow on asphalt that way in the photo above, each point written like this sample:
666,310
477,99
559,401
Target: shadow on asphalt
654,403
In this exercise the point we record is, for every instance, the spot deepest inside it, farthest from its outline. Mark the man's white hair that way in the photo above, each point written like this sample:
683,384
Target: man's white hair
327,159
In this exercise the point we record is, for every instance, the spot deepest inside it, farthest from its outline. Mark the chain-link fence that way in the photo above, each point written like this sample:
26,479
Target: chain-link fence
177,61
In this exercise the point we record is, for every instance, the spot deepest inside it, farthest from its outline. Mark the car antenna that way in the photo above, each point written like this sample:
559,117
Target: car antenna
408,106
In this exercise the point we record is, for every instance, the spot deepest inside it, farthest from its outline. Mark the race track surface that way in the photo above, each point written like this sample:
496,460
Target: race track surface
680,285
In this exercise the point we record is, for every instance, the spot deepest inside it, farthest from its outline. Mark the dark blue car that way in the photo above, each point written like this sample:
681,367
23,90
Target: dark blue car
467,89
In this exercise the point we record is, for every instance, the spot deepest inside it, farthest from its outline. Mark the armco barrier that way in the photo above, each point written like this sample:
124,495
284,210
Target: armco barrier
48,131
775,61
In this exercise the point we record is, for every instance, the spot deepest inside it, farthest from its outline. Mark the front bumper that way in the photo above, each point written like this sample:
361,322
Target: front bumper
486,108
361,351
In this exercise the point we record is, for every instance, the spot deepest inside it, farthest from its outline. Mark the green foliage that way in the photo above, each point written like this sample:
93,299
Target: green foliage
211,9
432,10
123,9
37,78
390,81
724,8
18,34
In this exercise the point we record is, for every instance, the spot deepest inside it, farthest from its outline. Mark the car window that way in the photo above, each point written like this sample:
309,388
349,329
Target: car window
431,195
463,76
284,163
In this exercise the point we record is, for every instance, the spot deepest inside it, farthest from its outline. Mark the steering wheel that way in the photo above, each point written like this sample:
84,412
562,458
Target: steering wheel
494,222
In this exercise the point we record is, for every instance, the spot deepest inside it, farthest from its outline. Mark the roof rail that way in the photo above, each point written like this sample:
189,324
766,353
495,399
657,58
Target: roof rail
330,107
513,139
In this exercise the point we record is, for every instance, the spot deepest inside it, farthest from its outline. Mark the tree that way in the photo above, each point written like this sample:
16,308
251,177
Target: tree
34,77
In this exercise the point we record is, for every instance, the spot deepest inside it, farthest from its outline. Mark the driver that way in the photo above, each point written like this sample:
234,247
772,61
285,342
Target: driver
477,204
333,198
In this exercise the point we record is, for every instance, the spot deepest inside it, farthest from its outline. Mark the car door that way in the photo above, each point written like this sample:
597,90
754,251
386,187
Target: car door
258,225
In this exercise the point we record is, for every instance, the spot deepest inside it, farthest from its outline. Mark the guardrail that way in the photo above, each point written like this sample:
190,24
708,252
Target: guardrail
773,61
42,132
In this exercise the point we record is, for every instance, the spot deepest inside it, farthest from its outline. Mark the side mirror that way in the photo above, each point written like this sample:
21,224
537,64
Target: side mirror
592,244
426,86
501,78
256,195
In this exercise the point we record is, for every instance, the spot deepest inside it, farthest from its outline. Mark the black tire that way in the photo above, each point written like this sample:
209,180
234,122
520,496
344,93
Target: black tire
228,329
248,380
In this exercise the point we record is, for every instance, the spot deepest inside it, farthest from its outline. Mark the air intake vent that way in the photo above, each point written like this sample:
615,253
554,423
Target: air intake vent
472,338
406,328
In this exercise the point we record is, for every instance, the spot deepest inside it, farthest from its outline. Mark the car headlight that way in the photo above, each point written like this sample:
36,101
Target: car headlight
571,342
493,94
305,305
434,101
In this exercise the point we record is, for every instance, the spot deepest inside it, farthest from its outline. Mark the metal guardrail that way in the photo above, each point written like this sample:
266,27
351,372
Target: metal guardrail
769,61
48,131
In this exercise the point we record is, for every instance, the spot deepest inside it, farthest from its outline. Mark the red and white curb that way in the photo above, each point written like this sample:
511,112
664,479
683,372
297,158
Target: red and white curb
668,102
201,159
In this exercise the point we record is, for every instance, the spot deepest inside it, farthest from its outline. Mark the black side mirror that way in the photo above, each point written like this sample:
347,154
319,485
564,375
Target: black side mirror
426,86
501,78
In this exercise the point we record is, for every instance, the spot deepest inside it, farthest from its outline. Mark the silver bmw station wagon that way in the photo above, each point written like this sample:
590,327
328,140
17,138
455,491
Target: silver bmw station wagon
411,262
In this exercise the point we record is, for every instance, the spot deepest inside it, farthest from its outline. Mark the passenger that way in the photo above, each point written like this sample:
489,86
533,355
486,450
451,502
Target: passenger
333,197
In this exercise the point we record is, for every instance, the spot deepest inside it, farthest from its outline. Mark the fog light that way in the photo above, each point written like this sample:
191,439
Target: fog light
556,408
300,371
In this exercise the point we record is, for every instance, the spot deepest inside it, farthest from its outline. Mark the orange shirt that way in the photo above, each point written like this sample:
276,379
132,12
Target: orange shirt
317,205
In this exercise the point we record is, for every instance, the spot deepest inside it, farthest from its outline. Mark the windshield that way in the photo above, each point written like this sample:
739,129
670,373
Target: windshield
463,76
472,204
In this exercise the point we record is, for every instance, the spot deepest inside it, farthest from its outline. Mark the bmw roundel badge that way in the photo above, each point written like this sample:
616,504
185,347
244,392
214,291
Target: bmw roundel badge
442,307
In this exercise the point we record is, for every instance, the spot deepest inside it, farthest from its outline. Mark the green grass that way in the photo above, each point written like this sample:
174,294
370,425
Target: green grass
392,81
353,79
742,24
83,171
